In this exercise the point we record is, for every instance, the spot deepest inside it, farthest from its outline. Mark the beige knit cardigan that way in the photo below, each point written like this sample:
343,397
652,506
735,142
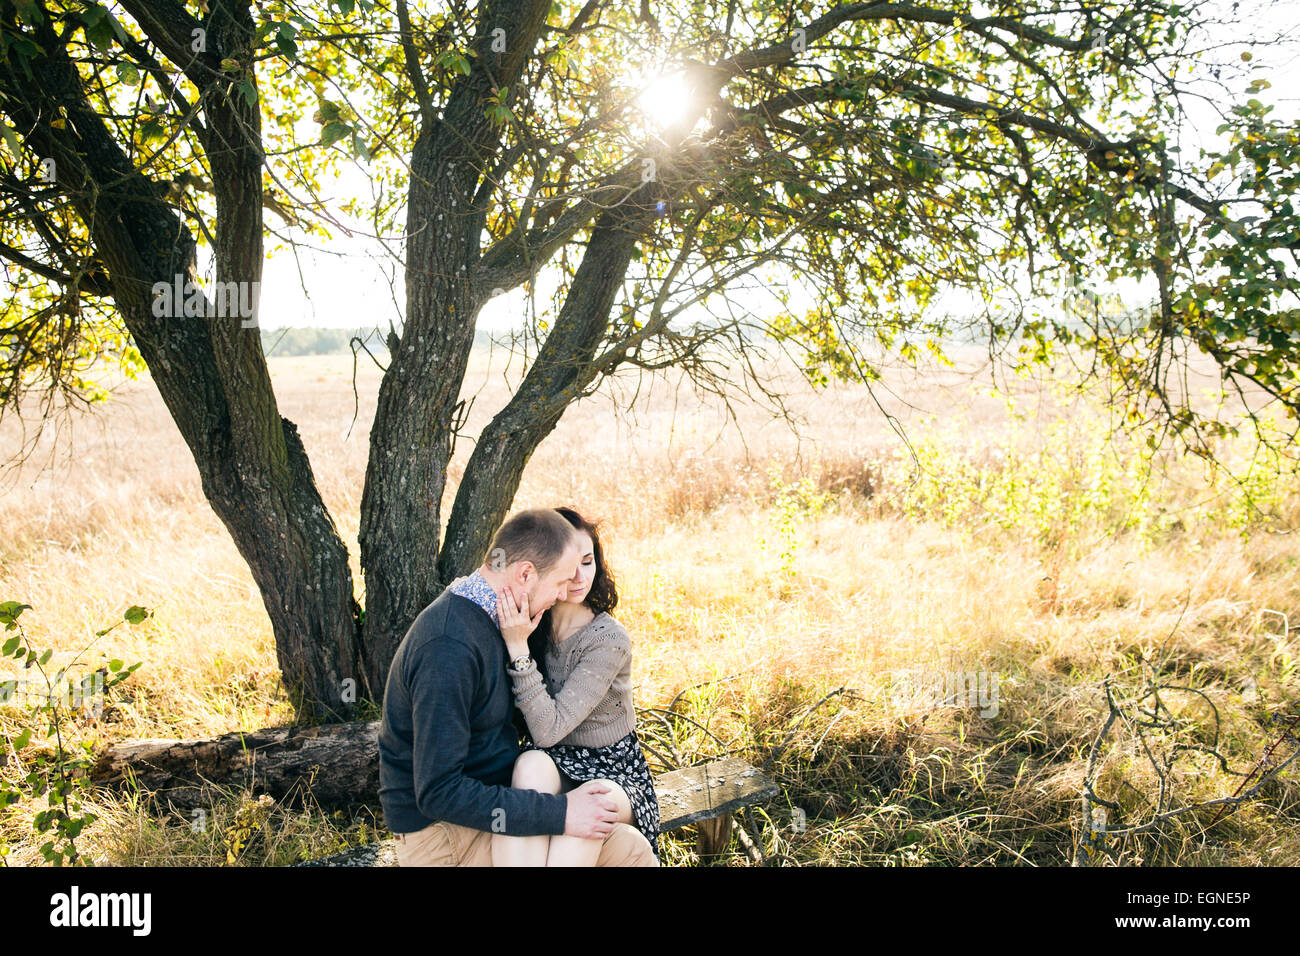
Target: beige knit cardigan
590,673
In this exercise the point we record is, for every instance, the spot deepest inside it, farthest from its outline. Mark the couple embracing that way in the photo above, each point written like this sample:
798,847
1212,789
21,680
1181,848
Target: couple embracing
528,633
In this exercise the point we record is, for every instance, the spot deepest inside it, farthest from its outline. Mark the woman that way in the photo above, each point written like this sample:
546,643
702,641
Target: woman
571,668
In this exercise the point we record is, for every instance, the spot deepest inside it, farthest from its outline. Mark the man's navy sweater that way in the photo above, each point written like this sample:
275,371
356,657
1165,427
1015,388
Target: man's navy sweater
447,745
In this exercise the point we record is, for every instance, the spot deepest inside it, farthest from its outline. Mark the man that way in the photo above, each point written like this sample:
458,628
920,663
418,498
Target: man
447,744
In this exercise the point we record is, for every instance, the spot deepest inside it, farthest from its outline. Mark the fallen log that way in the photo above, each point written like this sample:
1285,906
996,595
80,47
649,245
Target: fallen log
339,763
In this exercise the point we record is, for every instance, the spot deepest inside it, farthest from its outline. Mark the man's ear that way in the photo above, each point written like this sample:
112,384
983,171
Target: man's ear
524,570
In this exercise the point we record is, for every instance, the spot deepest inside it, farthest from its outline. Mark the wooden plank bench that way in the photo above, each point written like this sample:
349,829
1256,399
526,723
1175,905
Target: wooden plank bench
706,795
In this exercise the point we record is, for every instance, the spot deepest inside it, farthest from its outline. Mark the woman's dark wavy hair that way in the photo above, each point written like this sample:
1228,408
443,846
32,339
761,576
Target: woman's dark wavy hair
603,595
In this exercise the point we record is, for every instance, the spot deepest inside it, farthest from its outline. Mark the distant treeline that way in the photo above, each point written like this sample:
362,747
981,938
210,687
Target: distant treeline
322,341
282,343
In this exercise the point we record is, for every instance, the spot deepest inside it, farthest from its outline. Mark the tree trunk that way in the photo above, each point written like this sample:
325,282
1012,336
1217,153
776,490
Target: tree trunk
412,439
210,371
562,371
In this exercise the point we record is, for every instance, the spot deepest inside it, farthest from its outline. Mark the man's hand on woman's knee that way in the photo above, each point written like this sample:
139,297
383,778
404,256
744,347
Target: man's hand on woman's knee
591,812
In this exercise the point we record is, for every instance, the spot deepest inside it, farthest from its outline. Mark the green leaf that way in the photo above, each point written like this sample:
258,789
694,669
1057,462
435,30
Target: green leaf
128,74
249,91
333,132
11,141
327,112
10,610
285,42
31,13
10,645
115,665
23,739
359,150
153,129
116,27
98,27
135,614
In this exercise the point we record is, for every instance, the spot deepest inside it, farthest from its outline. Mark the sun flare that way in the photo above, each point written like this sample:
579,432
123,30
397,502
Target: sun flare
666,100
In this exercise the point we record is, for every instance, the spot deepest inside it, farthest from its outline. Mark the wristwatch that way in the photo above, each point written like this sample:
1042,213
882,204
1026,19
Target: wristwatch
521,664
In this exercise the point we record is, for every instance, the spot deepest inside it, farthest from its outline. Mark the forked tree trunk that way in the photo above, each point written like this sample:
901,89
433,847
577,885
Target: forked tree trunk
211,372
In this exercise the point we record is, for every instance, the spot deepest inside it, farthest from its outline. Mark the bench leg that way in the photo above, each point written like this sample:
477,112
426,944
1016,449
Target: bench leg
750,837
714,836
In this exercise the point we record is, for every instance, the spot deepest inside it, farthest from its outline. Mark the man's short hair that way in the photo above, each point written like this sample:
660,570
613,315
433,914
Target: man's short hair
539,535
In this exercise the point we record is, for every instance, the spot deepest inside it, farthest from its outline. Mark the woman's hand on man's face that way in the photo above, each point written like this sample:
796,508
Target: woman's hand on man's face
514,620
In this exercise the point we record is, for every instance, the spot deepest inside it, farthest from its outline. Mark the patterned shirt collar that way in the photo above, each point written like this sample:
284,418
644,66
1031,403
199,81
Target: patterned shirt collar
475,587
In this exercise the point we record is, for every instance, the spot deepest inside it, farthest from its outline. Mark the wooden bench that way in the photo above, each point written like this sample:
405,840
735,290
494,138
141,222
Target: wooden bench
706,795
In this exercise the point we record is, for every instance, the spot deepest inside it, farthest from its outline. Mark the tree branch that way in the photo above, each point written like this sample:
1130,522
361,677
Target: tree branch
413,70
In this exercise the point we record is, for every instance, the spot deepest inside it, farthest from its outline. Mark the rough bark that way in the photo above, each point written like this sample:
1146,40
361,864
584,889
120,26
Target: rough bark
412,440
338,762
210,371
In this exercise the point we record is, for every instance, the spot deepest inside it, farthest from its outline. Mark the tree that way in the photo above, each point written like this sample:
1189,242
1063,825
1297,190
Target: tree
886,151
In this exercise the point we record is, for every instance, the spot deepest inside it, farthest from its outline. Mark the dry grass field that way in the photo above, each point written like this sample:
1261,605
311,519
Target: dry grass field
792,590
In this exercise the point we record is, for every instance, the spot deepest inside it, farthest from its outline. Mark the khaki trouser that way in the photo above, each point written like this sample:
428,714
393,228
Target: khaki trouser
447,844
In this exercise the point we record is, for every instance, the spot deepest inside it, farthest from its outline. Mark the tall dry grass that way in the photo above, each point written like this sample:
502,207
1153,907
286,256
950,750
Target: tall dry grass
781,583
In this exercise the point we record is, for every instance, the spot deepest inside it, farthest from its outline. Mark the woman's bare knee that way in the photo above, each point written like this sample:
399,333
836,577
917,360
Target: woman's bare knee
619,796
535,770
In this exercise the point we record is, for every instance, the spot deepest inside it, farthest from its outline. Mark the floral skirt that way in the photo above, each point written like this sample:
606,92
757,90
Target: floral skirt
624,763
